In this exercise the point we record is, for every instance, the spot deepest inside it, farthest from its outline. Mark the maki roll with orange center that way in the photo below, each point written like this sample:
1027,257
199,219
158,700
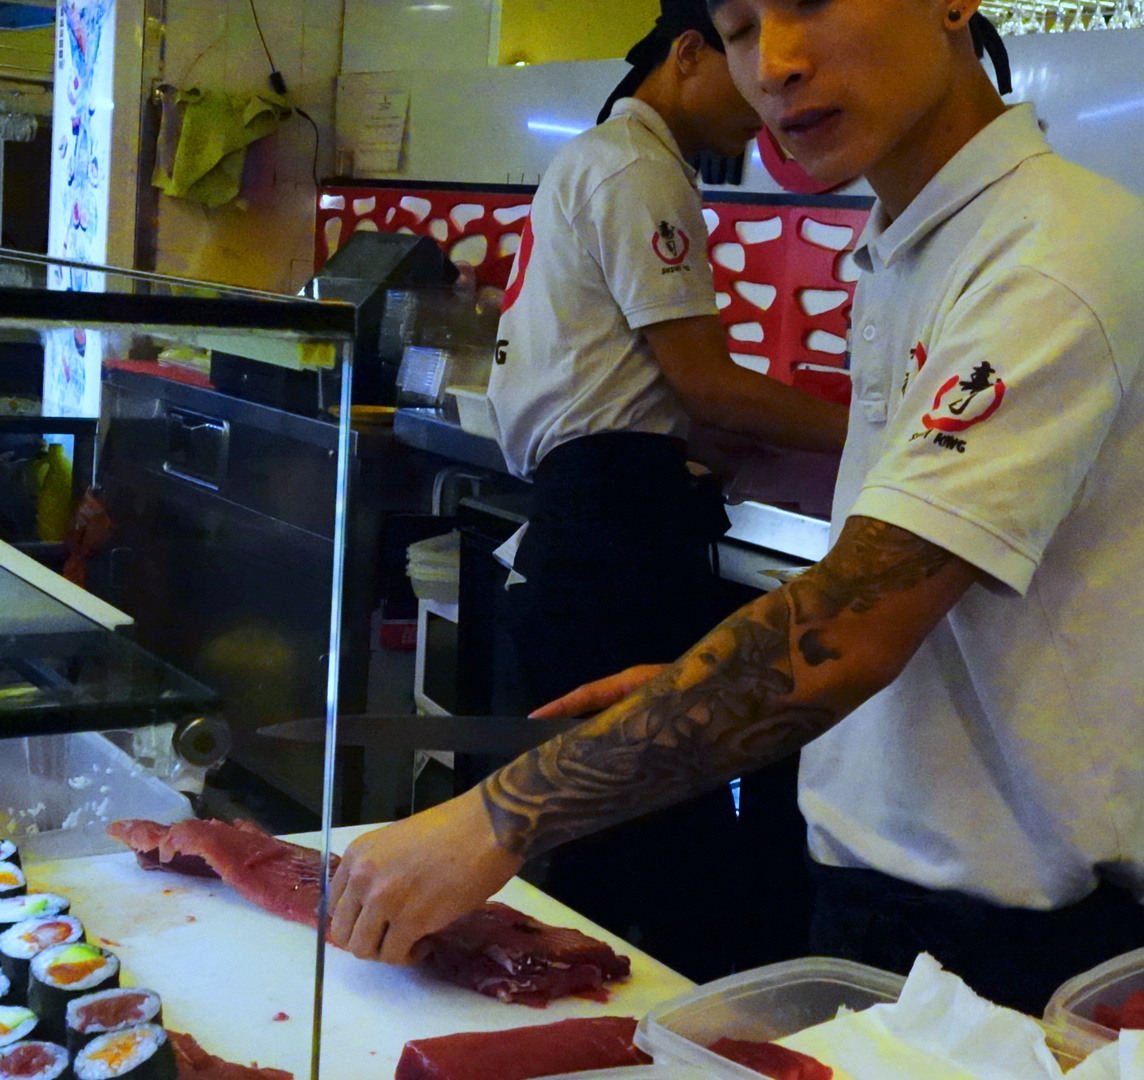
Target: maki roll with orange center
142,1052
9,852
12,882
33,1061
24,940
15,1022
63,972
14,909
110,1010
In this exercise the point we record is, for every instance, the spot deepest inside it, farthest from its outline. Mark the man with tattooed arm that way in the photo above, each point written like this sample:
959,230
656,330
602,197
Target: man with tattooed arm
962,670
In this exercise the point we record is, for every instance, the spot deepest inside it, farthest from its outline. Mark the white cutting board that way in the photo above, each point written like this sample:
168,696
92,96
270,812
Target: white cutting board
225,969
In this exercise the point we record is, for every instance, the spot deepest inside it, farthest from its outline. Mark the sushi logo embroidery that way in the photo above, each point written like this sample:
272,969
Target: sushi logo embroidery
962,403
670,245
958,405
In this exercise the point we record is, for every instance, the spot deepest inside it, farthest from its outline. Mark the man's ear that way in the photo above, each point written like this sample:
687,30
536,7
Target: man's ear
686,49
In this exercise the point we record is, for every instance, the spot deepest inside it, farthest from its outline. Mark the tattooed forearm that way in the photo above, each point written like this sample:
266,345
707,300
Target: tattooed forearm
730,704
716,712
870,560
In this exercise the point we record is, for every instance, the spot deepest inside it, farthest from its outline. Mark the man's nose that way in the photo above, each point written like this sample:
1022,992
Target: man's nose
783,58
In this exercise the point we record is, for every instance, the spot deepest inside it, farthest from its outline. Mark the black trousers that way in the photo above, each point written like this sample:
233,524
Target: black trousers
617,558
1012,956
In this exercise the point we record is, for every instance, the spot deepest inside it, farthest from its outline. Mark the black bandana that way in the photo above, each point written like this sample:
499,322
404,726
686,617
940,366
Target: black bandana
676,16
987,40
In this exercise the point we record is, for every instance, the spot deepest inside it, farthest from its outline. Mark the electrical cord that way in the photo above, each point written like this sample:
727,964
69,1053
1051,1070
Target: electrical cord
278,84
317,142
266,49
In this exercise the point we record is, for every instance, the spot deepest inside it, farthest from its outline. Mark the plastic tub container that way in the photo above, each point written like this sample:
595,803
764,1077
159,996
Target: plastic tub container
766,1003
1069,1010
59,792
474,410
771,1002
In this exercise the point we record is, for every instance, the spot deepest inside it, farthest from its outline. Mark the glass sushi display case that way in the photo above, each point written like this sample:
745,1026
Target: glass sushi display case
172,560
112,708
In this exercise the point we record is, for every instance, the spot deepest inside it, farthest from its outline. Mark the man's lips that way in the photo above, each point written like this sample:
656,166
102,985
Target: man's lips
806,121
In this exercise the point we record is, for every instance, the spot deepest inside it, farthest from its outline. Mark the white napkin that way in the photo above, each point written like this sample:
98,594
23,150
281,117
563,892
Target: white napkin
506,556
1121,1060
938,1029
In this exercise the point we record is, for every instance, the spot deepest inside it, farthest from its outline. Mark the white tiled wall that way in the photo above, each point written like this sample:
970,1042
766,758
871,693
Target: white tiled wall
265,239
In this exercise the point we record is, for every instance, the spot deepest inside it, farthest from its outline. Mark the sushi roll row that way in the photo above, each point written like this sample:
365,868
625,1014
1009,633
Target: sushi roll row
109,1034
56,977
28,925
63,1015
22,941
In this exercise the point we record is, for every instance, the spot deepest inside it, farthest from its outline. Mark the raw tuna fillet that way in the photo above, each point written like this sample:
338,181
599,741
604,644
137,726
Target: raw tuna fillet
196,1064
522,1053
502,953
280,877
772,1060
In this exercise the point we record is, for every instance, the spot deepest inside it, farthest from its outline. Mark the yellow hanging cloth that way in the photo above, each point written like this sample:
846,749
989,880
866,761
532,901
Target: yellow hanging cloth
203,138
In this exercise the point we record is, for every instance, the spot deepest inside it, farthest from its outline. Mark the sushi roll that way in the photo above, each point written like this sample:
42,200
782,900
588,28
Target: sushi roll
63,972
9,852
33,1061
15,1023
23,940
14,909
110,1010
12,881
142,1052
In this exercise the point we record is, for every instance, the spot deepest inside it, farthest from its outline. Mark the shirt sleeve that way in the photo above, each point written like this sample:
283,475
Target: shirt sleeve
644,227
994,435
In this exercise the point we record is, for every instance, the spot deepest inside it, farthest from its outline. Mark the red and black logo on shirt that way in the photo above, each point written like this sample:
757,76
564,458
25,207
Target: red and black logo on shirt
670,244
959,404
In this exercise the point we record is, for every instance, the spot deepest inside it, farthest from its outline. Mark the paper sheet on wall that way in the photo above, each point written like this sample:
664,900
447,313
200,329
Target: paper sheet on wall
371,122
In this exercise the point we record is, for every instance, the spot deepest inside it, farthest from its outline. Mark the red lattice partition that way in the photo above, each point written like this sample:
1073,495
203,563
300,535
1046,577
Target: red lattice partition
477,226
785,287
784,283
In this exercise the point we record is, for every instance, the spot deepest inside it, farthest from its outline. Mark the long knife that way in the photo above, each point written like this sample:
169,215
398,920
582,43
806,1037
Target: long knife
463,734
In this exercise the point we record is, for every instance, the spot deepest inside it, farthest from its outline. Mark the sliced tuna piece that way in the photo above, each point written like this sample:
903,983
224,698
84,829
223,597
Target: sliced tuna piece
522,1053
505,954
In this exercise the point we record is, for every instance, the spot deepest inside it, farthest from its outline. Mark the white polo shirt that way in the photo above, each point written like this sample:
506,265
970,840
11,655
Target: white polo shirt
998,411
615,241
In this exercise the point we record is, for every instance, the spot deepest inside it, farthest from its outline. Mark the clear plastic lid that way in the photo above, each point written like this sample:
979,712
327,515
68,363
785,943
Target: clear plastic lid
764,1004
1070,1009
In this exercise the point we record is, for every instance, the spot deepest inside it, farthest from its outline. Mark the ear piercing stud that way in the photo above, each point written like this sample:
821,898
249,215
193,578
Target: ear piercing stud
954,15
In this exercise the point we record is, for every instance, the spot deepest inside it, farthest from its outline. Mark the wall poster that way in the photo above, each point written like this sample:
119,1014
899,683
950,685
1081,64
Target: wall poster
77,229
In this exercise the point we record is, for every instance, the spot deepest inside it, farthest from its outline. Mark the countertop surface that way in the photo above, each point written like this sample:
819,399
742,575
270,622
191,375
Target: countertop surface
241,980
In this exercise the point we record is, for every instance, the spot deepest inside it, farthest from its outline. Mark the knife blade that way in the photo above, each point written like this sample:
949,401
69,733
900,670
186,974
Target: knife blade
462,734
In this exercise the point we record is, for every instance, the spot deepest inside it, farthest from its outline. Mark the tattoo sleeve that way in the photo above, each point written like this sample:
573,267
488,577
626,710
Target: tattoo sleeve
732,703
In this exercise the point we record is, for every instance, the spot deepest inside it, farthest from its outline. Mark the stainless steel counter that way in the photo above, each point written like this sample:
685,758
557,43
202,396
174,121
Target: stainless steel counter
429,429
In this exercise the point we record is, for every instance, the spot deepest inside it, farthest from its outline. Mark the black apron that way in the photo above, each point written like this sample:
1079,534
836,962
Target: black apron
618,565
618,560
1012,956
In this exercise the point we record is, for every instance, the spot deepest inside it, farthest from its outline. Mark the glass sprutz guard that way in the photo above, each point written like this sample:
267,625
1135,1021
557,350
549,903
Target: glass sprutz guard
171,566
